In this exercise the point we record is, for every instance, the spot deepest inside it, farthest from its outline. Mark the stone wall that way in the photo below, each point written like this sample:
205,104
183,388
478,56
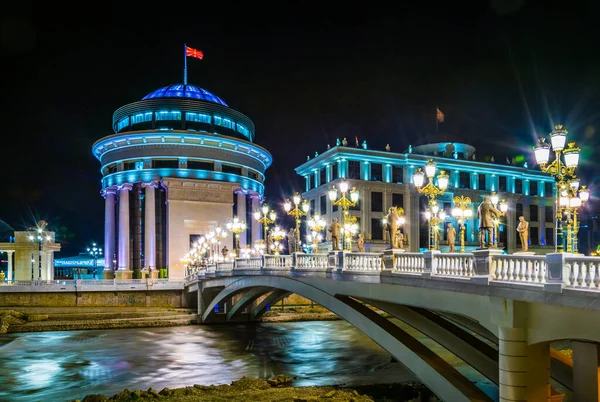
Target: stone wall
155,298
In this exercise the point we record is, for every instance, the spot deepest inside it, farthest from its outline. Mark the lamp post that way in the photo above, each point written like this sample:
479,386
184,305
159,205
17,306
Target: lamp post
39,237
461,211
431,191
236,227
94,252
560,170
434,216
265,217
344,202
316,223
277,234
297,213
571,198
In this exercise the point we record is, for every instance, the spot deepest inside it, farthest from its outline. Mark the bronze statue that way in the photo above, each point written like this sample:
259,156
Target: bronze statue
334,229
486,212
400,239
392,222
451,233
523,229
361,243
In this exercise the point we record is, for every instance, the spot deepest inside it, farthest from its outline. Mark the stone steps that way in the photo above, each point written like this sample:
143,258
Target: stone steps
68,319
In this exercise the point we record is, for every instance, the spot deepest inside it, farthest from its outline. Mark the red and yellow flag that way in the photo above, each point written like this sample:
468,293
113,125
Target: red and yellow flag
195,53
439,116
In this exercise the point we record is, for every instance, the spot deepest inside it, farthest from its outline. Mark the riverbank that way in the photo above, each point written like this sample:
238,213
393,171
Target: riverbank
278,389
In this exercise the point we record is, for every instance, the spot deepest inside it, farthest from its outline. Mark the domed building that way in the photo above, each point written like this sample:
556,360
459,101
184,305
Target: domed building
180,163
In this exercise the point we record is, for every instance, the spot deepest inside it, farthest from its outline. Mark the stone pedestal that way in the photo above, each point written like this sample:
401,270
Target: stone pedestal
389,261
124,274
483,264
108,274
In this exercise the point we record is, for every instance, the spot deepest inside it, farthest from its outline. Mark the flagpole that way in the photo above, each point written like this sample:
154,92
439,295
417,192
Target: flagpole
184,64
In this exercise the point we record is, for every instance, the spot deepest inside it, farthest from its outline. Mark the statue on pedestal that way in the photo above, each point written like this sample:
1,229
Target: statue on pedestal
486,212
451,233
523,229
392,223
361,243
400,239
334,229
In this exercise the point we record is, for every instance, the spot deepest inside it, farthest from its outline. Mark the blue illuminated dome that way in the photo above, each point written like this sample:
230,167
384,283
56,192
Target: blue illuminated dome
185,91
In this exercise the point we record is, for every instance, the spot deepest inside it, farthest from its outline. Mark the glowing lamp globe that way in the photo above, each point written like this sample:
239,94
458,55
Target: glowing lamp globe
494,198
468,213
287,206
575,202
442,215
574,184
571,155
457,212
428,215
401,220
305,206
354,194
503,206
272,215
443,180
584,194
419,178
542,152
563,201
265,209
558,138
430,168
344,186
257,215
296,199
333,194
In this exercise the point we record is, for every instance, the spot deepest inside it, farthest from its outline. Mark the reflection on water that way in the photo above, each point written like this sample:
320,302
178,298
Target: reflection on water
61,366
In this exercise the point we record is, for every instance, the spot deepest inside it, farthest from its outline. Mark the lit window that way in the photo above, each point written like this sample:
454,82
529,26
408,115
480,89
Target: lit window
164,115
139,165
141,118
124,122
218,120
197,117
228,124
243,130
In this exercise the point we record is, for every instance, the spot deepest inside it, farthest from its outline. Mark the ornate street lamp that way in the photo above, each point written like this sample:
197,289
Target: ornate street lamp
434,216
571,198
462,211
349,229
432,192
277,234
344,202
265,216
236,227
39,237
95,252
561,171
316,224
297,213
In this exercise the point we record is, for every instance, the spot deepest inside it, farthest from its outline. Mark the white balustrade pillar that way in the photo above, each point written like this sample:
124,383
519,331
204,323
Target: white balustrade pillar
256,234
124,227
586,371
109,226
150,225
9,275
241,214
49,270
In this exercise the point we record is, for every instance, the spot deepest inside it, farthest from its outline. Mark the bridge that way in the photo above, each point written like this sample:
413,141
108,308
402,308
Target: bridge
498,313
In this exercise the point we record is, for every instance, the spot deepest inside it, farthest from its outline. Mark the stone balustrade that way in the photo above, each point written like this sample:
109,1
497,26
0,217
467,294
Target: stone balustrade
413,263
455,264
362,262
224,266
519,268
249,263
277,261
312,261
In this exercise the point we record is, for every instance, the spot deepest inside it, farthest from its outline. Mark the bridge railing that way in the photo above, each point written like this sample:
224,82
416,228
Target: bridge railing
411,263
519,268
224,266
454,264
362,262
312,261
249,263
582,272
277,261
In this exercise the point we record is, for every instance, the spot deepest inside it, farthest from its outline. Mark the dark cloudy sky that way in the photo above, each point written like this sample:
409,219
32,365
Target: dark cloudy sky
502,71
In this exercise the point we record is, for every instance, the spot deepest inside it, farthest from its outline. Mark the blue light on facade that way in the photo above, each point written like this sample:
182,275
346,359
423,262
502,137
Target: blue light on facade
185,91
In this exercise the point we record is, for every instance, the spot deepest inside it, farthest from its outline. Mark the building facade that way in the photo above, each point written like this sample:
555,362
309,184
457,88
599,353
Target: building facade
179,163
30,256
385,179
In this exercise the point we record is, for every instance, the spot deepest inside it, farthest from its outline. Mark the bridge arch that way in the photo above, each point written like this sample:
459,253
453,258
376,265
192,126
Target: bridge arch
439,376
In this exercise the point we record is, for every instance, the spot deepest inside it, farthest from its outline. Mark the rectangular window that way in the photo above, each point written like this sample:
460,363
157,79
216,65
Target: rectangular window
323,202
376,172
376,201
323,176
163,115
141,118
397,174
398,200
548,187
377,229
218,120
165,163
111,168
548,213
533,213
464,180
334,171
447,206
232,169
124,122
549,237
481,182
502,184
533,188
518,186
242,130
354,170
534,236
129,165
200,165
252,175
312,205
227,124
197,117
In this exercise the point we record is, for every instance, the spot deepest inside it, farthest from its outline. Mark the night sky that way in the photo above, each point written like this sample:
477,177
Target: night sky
503,72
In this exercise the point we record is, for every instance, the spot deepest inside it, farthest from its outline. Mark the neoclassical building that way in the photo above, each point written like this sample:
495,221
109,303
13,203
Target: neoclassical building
385,178
179,163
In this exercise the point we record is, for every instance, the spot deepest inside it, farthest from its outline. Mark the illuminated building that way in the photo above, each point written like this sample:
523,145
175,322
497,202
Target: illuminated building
384,179
180,162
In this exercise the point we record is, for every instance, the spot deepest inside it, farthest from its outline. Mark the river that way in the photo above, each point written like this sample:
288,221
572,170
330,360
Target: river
67,365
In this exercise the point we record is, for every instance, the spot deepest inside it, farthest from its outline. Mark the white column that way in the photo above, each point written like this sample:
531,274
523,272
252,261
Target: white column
124,226
256,235
9,274
150,226
109,226
241,214
49,273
